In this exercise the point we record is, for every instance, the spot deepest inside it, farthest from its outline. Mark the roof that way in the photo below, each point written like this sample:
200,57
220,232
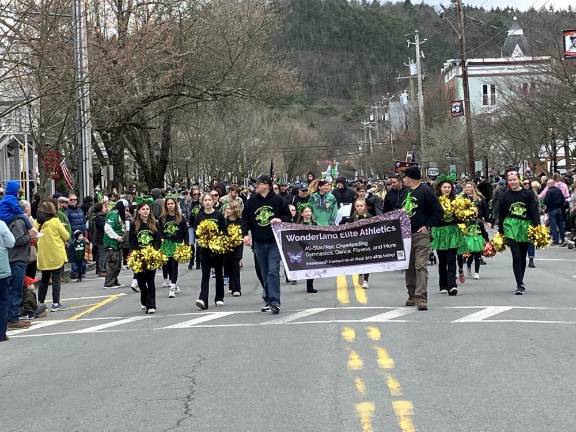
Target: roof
516,44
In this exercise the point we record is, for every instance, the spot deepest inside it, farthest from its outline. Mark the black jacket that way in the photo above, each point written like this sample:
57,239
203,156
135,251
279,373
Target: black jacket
144,237
394,199
259,211
177,233
554,199
99,223
343,196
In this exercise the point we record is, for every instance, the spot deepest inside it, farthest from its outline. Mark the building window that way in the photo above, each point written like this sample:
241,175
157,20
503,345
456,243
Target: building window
488,94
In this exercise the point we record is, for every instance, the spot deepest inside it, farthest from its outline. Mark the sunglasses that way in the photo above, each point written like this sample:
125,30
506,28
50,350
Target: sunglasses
214,195
195,194
526,184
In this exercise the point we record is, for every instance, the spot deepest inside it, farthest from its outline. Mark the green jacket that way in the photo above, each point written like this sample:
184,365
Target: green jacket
64,219
324,208
113,220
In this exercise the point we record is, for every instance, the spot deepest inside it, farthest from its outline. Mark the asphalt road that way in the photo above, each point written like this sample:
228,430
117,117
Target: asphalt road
344,359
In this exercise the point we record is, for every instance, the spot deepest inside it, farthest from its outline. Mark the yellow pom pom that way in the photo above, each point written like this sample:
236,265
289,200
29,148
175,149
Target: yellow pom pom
539,235
498,242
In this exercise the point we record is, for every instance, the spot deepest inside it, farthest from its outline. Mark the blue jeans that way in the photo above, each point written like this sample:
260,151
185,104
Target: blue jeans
15,289
556,220
268,257
531,250
3,307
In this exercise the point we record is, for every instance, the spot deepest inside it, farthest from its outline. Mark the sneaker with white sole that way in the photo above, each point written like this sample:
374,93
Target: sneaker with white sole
166,283
265,308
201,305
476,276
365,284
177,289
172,292
134,285
150,311
219,303
275,308
236,293
57,307
143,308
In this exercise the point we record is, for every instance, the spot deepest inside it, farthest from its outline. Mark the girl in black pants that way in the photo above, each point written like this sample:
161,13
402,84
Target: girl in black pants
361,210
306,218
518,212
144,231
175,232
233,216
208,259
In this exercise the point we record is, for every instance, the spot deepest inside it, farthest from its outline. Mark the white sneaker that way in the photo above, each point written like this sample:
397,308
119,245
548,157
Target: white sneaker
172,293
219,303
151,311
201,305
143,308
365,284
469,271
476,276
177,289
166,283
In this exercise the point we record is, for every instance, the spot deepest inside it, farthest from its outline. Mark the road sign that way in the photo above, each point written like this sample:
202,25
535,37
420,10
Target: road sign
433,172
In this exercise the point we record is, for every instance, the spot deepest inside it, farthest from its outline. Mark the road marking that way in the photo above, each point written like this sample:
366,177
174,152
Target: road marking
110,324
354,361
360,292
91,309
365,412
360,386
373,333
487,312
384,359
404,411
35,326
348,334
393,385
342,290
554,259
296,315
208,317
85,298
387,316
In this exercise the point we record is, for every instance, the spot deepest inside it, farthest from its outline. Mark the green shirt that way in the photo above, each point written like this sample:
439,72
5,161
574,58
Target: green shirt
113,219
64,219
324,208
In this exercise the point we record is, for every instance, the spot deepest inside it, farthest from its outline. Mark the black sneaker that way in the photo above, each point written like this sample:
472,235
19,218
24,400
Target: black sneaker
453,291
265,308
520,290
275,308
190,266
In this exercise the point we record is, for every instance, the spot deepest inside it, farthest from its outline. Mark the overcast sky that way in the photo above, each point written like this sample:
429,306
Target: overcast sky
520,4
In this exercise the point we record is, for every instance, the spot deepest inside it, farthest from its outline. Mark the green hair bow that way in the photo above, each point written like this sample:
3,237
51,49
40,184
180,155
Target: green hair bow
171,196
302,206
144,200
447,178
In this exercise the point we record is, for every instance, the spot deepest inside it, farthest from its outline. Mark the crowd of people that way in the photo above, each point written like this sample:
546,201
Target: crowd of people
56,238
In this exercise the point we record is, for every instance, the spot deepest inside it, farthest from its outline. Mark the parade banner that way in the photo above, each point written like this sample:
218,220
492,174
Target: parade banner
373,245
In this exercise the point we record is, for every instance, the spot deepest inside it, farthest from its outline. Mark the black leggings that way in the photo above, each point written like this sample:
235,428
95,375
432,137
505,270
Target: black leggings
474,256
519,252
447,268
147,288
232,270
209,260
170,270
43,287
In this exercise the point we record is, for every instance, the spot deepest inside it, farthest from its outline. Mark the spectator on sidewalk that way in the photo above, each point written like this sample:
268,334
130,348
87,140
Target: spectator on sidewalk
6,241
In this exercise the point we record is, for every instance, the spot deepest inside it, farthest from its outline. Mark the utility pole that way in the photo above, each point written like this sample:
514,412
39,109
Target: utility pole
464,66
83,120
420,95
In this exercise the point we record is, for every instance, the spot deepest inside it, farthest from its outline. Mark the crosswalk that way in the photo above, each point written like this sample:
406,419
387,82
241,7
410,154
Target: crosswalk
313,316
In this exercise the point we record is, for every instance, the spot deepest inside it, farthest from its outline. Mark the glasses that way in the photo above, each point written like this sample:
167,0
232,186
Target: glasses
72,199
526,184
214,195
195,194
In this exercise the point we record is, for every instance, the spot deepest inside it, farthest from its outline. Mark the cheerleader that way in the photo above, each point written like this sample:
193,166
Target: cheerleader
145,232
518,212
175,232
446,237
208,259
233,216
306,218
361,211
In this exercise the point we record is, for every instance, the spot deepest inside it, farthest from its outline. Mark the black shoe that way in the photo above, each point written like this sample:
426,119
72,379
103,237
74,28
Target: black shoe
482,262
190,266
453,291
520,290
531,263
293,282
275,308
311,290
265,308
197,266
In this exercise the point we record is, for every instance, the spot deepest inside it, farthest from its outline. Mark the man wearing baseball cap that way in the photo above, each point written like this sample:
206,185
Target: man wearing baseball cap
260,212
424,211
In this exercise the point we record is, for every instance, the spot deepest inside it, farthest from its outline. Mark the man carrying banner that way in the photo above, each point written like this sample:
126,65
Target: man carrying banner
424,211
260,211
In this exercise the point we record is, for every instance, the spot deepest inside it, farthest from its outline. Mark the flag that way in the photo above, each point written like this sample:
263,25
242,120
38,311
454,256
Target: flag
67,174
272,176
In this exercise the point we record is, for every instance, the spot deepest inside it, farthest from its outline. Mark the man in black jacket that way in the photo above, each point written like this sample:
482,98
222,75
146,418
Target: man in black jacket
260,212
554,202
343,194
395,197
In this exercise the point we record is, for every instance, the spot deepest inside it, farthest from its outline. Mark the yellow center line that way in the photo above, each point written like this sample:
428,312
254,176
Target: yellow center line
360,292
404,411
348,334
94,307
365,412
342,290
393,385
384,359
374,333
354,361
360,386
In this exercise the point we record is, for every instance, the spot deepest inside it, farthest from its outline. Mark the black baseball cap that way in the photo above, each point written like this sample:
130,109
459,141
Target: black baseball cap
263,178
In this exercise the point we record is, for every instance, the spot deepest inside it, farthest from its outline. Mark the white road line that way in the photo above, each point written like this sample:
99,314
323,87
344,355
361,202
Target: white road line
294,316
202,319
35,326
111,324
555,259
387,316
530,321
487,312
85,298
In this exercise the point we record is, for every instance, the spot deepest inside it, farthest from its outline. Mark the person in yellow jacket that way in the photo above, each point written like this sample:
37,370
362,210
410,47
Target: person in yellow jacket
52,239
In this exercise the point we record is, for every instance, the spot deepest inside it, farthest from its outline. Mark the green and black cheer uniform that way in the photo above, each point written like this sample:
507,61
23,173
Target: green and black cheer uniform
310,282
209,260
138,240
518,212
232,262
446,239
356,217
174,234
475,238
